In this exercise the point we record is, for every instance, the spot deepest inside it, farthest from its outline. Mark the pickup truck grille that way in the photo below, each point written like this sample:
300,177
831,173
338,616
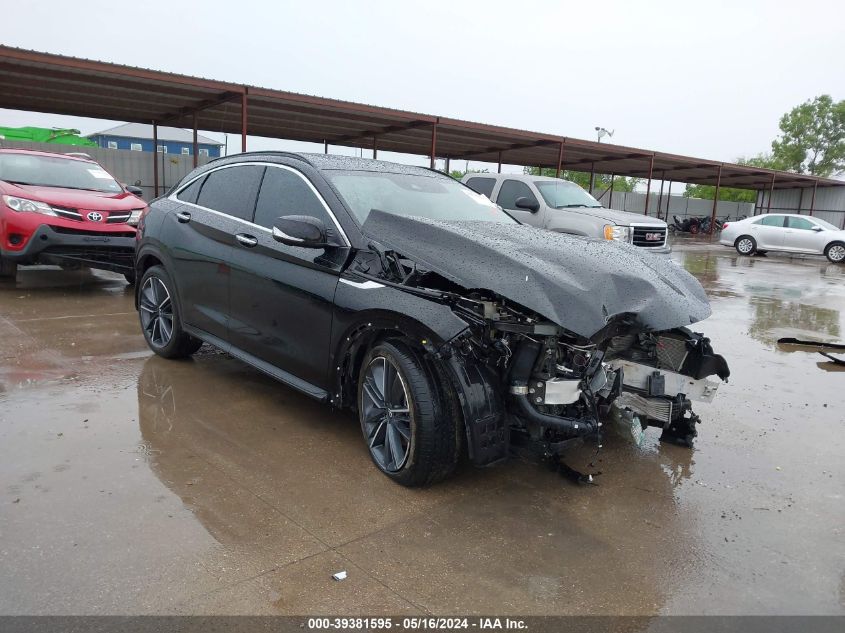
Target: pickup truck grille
649,236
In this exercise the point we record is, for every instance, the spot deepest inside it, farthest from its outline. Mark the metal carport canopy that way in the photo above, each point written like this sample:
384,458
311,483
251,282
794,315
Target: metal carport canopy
43,82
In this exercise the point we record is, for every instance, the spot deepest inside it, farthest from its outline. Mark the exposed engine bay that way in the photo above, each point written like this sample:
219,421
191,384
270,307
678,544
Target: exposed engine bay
557,386
548,334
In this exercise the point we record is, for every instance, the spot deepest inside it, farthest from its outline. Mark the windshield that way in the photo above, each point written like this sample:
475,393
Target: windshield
560,194
50,171
413,195
825,225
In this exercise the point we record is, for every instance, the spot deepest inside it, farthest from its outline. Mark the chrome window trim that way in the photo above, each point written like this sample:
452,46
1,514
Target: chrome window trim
174,198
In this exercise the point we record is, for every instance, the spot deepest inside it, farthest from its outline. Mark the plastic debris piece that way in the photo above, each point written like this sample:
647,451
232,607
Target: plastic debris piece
341,575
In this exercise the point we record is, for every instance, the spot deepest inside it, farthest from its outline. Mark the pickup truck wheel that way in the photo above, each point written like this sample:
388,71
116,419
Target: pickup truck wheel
8,269
159,314
745,245
409,427
835,252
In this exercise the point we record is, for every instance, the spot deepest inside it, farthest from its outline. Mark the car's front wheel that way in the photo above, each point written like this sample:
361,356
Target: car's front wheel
410,426
835,252
745,245
159,314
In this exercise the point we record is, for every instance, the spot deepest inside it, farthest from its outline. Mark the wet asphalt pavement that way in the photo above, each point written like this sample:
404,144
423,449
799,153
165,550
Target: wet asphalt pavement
130,484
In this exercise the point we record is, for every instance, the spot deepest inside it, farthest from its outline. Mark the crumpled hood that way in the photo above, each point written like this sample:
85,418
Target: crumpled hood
576,282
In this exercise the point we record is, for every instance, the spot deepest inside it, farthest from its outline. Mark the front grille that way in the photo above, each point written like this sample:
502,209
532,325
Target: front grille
69,214
67,231
643,233
117,218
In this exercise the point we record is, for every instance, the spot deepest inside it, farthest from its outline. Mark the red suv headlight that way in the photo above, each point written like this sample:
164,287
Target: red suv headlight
23,205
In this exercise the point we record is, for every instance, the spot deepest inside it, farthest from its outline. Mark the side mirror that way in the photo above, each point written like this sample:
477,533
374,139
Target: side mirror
526,203
300,230
135,190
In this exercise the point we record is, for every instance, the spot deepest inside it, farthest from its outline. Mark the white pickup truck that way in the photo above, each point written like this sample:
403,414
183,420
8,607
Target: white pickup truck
562,206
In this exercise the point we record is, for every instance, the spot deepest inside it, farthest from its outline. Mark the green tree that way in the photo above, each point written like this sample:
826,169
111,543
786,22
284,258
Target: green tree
707,192
457,174
582,178
812,138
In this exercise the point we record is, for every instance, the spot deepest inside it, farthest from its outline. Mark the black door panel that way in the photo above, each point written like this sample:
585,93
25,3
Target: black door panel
281,298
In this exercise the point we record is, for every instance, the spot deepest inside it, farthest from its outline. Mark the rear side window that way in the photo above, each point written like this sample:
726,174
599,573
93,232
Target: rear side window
285,193
510,191
232,190
190,193
771,220
801,223
482,185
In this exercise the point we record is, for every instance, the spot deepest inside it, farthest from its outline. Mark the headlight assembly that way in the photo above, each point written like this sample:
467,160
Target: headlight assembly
617,233
22,205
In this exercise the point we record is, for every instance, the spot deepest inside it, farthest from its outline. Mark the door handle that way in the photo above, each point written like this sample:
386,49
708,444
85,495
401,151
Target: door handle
183,216
246,240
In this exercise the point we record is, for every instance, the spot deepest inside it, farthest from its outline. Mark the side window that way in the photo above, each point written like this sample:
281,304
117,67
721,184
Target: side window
801,223
232,190
135,147
510,191
190,193
482,185
771,220
285,193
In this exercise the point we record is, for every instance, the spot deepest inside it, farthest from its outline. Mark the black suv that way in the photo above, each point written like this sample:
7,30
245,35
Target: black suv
408,297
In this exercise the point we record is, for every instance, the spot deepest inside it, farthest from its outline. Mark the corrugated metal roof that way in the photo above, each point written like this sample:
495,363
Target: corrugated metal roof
145,131
43,82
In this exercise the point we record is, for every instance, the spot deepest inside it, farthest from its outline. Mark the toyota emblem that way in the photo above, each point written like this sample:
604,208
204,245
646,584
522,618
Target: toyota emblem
95,217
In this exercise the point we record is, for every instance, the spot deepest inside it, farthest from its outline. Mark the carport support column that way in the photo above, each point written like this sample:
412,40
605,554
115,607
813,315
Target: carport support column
243,121
433,143
559,160
660,195
448,169
610,199
195,149
375,147
592,176
499,171
715,200
155,159
813,199
648,186
771,191
668,201
800,199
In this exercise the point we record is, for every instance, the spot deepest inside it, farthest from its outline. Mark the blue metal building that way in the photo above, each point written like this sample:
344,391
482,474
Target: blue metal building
171,140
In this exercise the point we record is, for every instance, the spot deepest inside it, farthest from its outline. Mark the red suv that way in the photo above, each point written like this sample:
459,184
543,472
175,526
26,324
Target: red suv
66,210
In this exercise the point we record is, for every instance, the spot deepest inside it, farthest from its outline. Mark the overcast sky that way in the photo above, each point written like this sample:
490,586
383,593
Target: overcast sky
706,79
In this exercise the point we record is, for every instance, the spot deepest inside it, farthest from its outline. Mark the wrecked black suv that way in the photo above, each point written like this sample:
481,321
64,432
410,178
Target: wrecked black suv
407,297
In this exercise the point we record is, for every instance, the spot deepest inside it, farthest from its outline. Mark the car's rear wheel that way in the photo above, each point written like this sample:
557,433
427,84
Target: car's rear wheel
745,245
835,252
159,314
8,269
411,429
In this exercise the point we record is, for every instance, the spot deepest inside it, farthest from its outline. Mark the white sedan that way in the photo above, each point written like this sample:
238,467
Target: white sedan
785,232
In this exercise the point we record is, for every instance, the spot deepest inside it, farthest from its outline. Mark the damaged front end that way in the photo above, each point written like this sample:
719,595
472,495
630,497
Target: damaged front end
562,332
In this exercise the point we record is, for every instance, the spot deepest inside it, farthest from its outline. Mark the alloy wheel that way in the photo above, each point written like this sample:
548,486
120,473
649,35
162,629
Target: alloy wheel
386,414
836,253
745,246
156,312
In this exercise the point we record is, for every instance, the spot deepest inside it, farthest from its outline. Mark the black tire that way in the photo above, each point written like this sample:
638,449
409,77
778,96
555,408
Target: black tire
745,245
835,252
8,269
130,278
434,426
159,316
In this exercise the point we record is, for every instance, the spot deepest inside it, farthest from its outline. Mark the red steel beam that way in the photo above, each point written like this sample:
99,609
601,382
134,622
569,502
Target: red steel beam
433,143
196,144
715,201
243,121
813,199
559,160
771,191
155,159
648,186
